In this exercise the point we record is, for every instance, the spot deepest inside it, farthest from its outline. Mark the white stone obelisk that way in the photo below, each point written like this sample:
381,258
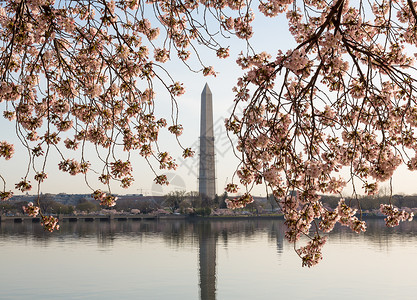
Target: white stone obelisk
207,175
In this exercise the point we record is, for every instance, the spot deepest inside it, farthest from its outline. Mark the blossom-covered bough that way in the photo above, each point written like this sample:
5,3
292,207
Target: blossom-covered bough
344,97
79,72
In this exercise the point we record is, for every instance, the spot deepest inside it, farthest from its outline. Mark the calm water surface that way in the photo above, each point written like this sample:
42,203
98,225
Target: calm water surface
207,260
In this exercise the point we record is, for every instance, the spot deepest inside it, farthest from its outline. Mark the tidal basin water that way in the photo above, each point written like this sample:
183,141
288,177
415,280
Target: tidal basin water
202,259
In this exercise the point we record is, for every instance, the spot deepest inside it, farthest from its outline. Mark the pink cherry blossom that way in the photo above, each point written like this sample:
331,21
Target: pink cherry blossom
31,210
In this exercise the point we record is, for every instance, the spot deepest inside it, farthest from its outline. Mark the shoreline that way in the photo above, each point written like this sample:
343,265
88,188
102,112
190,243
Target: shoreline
126,217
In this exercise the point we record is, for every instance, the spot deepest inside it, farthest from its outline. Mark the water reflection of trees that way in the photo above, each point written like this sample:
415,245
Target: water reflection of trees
179,233
378,234
206,235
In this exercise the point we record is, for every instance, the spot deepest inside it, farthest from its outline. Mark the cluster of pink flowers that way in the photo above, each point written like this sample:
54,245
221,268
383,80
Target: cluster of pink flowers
231,188
187,153
239,202
161,55
6,150
242,25
73,167
296,61
23,185
121,168
222,52
4,196
161,179
105,199
41,176
328,220
50,223
71,144
126,182
176,129
271,8
177,89
104,178
311,253
394,215
31,210
166,161
245,175
9,115
347,217
209,71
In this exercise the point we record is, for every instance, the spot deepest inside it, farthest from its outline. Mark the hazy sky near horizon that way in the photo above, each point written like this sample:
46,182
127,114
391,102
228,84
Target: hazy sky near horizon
270,35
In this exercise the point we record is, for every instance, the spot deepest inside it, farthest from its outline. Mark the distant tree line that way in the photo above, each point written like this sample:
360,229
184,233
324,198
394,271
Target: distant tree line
47,204
373,202
191,203
177,201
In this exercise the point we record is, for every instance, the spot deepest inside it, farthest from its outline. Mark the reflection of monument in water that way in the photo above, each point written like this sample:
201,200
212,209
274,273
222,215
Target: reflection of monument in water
207,260
207,176
209,233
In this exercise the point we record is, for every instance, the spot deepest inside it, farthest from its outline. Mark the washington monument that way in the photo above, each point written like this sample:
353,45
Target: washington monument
207,175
